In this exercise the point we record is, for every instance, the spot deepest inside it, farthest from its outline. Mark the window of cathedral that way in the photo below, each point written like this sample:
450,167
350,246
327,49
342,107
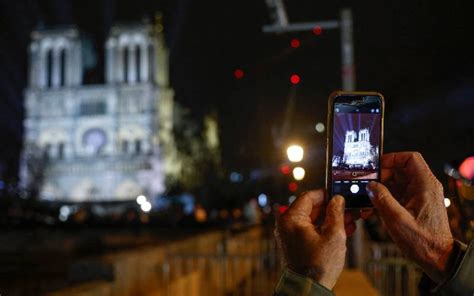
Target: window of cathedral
47,151
125,64
151,62
138,146
62,65
49,68
125,146
137,62
61,150
92,108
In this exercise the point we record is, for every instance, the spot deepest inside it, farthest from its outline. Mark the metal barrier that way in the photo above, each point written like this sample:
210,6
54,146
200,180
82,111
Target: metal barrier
240,266
390,273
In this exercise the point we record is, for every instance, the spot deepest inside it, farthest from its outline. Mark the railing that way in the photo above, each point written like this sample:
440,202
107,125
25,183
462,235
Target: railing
390,273
241,265
244,262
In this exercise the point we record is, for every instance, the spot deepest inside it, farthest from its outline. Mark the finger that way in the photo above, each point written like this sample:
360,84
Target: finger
308,204
334,220
413,162
388,207
386,174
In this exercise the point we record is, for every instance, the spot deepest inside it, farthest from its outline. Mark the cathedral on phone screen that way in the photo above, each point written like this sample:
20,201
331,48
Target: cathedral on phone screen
355,146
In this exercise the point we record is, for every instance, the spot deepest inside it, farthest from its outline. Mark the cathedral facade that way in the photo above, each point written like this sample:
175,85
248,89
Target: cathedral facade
100,142
358,152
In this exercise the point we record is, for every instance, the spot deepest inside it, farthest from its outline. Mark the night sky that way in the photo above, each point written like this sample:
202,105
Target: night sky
417,53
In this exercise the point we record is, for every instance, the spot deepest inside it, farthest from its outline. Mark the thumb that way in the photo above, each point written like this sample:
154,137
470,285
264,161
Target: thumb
334,220
387,206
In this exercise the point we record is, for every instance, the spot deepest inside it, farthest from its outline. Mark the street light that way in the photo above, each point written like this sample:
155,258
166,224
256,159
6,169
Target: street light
295,153
146,206
141,199
320,127
298,173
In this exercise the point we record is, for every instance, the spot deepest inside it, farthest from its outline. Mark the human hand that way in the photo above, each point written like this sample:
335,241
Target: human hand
412,209
310,250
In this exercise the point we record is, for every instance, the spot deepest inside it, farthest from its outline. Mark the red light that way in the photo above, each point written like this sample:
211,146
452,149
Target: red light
295,79
317,30
282,209
239,74
295,43
293,186
285,169
466,169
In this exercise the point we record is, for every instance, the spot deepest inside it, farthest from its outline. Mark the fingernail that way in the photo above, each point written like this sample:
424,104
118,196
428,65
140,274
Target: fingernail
369,187
340,202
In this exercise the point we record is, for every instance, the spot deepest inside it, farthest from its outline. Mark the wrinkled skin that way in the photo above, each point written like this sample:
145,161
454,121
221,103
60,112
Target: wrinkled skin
313,251
411,205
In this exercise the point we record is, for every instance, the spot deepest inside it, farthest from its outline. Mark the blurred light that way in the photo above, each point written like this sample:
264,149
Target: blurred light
162,203
267,210
223,214
2,184
320,127
200,214
64,213
236,177
285,169
187,200
317,30
295,43
256,174
236,213
239,73
291,199
262,199
146,206
295,79
282,209
354,188
293,186
466,169
447,202
144,219
141,199
295,153
298,173
65,210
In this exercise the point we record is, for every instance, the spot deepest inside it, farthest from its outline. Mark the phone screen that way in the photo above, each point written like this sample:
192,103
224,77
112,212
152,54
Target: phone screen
356,146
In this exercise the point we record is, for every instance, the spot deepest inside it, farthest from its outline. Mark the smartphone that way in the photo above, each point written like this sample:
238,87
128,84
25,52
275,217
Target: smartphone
354,145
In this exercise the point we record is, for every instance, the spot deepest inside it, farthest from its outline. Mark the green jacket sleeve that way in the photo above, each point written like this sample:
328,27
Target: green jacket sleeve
293,284
460,281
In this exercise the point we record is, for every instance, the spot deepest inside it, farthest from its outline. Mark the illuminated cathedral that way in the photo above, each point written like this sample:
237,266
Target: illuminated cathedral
358,152
100,142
